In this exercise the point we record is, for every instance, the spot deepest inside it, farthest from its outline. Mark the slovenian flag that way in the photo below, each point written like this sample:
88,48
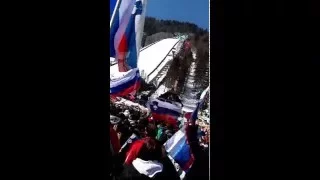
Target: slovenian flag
194,115
179,150
165,111
127,84
130,141
126,30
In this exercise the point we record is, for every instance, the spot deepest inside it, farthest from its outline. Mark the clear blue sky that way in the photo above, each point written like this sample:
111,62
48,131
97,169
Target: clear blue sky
193,11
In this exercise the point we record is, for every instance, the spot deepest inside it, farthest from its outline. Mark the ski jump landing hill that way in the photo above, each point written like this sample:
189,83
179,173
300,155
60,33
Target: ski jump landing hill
154,60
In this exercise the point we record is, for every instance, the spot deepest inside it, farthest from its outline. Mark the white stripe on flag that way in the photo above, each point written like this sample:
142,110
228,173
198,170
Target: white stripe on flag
125,13
166,105
127,76
175,140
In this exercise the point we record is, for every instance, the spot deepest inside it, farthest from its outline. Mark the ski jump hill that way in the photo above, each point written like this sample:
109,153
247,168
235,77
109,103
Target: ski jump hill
154,60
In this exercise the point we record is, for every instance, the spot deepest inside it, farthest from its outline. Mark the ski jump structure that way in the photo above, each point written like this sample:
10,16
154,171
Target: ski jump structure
155,59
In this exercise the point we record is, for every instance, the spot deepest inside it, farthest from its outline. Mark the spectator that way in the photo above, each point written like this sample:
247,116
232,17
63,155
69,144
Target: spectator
201,163
137,145
114,140
161,135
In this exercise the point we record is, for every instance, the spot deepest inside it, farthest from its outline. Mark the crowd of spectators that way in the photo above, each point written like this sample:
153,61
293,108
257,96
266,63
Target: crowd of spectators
136,150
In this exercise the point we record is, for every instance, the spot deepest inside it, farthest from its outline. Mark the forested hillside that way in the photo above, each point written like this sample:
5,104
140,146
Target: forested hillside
155,30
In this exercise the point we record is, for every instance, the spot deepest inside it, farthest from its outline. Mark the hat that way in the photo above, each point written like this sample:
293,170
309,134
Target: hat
114,119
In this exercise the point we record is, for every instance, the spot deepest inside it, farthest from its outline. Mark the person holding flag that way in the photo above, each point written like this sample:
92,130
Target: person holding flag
135,148
183,147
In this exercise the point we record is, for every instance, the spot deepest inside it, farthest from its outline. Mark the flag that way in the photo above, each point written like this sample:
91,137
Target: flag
133,150
126,30
113,4
130,141
179,150
165,111
129,83
194,115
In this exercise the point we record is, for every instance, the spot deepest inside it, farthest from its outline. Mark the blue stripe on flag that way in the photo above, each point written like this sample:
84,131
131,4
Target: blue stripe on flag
112,7
184,156
130,33
125,85
178,148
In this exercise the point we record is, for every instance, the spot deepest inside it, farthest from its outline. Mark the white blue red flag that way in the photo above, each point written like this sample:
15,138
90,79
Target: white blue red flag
165,111
179,150
126,30
130,140
127,84
194,115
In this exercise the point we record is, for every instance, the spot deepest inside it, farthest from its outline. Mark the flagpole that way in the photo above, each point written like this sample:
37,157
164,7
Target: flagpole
114,12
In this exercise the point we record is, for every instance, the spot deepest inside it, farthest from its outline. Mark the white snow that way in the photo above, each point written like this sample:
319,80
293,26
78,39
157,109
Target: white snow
189,97
161,90
113,67
112,61
152,75
152,56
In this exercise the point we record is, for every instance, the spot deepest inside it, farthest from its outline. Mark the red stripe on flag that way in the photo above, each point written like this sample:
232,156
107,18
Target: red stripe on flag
189,163
131,89
122,50
166,118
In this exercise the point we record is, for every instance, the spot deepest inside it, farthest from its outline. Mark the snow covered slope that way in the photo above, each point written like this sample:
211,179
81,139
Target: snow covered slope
153,58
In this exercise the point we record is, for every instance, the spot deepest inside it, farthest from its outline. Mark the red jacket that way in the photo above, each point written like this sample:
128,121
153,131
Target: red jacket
114,140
